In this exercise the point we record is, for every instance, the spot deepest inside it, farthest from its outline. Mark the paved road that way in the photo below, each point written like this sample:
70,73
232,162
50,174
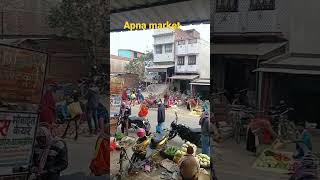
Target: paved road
234,161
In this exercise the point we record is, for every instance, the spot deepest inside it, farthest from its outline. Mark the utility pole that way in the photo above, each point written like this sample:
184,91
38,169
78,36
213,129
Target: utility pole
2,24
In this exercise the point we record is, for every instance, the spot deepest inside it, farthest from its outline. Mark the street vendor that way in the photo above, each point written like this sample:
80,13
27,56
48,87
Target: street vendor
50,155
100,164
189,166
255,127
303,143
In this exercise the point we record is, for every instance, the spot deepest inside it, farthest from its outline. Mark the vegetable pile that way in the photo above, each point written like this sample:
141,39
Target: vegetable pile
171,151
204,160
271,159
186,145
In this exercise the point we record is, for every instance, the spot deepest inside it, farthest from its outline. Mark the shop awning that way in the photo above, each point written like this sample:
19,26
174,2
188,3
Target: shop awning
159,68
201,82
184,77
292,64
258,49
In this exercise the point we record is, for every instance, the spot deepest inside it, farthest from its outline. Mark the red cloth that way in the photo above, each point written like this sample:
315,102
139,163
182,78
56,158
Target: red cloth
266,137
48,108
193,102
124,96
100,165
143,111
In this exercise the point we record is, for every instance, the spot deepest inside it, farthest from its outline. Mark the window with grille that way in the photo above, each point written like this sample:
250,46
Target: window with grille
262,5
168,48
192,41
135,55
181,42
158,49
226,5
192,60
180,60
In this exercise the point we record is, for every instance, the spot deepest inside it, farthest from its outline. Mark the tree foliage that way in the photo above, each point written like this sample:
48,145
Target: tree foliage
83,19
136,66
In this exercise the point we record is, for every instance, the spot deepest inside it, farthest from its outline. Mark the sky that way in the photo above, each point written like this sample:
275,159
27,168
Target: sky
142,40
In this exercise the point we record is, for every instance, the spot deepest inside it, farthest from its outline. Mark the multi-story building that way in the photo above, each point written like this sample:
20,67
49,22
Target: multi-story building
163,58
295,76
280,40
192,61
181,57
130,54
246,33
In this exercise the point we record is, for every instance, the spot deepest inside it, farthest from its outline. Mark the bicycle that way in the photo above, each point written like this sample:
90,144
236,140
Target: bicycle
240,122
285,129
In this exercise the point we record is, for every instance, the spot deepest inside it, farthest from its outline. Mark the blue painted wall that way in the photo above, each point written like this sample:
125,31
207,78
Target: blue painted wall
125,53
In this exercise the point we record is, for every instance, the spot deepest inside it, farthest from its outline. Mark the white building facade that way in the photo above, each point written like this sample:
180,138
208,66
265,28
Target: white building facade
163,54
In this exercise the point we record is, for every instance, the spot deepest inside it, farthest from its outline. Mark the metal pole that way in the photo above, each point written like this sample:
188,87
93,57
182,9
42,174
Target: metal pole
2,24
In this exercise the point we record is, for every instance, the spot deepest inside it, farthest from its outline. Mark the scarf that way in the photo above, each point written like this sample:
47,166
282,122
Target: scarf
50,140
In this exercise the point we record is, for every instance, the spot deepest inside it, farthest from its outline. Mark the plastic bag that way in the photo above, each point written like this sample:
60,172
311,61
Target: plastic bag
74,109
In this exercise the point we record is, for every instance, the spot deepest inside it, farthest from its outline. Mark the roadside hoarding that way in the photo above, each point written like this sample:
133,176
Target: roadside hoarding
116,85
16,140
22,74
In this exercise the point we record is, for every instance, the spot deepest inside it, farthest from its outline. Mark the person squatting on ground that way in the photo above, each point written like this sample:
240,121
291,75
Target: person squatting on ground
303,142
189,166
204,122
100,164
161,117
50,155
92,108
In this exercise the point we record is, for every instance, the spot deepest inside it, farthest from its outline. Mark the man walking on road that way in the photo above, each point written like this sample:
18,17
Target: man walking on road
205,131
161,116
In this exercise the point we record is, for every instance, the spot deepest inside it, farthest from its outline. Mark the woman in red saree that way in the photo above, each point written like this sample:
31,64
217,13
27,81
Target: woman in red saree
48,108
100,164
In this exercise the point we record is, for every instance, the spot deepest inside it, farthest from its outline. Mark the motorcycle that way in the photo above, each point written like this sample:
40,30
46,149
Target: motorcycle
192,135
139,153
157,144
133,122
